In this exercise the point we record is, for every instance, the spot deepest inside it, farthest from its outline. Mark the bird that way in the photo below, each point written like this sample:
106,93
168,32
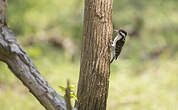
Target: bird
118,43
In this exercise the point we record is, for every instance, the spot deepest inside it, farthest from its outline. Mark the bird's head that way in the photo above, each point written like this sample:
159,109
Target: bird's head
121,32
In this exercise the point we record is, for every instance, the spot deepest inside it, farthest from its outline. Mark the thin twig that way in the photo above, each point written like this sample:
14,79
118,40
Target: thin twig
67,96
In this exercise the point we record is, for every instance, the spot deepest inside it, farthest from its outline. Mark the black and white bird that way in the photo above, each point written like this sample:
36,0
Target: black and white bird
118,43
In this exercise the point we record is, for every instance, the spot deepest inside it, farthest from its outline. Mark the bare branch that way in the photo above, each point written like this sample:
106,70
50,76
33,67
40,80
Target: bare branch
21,65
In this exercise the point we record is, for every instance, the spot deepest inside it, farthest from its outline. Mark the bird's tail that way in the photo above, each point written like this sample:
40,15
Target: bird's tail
112,60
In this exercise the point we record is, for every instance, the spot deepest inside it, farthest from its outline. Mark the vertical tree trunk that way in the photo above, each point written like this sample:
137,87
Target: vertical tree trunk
95,59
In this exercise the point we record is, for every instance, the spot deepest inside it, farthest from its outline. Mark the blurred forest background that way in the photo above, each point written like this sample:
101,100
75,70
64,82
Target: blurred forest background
144,78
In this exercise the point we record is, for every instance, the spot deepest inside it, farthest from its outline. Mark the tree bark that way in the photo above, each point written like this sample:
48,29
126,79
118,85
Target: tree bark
21,65
95,58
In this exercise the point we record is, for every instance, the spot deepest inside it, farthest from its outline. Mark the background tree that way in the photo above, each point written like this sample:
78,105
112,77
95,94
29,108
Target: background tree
95,67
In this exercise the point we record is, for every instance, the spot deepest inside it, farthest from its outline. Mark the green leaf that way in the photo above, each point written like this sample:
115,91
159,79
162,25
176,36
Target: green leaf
73,96
62,88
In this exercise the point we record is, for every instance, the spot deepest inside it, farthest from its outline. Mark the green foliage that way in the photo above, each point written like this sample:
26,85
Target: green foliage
72,93
31,17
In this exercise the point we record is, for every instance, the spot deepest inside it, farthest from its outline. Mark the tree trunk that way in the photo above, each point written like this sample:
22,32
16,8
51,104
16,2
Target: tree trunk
95,58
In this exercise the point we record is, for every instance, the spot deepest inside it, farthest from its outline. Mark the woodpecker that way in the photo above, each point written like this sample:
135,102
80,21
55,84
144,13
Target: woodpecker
118,43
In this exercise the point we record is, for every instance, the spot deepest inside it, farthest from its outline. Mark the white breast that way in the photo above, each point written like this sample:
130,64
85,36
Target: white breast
118,37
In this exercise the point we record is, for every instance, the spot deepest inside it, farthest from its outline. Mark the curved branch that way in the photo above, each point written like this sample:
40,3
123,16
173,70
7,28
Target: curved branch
21,65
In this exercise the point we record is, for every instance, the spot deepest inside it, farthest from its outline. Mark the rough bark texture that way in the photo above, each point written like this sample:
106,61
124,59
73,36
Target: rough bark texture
20,64
3,4
95,59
